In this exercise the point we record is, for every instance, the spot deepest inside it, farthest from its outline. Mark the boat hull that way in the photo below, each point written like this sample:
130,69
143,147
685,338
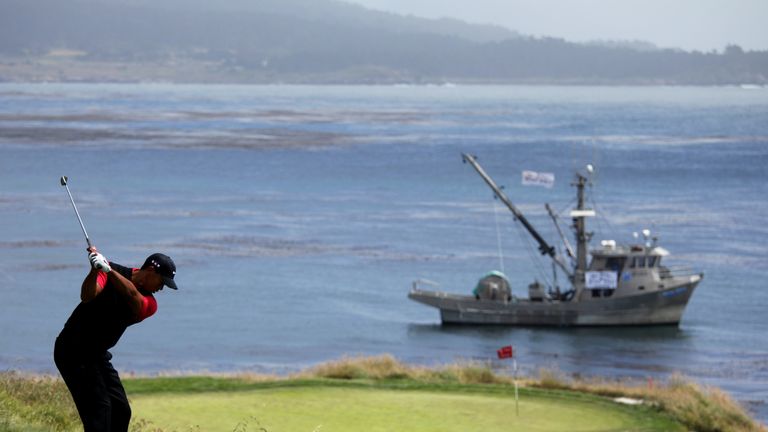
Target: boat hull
663,307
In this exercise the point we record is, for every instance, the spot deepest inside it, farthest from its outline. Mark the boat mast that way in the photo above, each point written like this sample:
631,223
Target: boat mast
544,247
582,236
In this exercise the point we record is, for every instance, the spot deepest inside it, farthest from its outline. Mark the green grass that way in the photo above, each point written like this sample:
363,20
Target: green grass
380,393
354,407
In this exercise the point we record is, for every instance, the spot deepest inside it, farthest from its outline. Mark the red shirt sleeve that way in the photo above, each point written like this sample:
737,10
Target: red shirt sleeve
101,279
148,307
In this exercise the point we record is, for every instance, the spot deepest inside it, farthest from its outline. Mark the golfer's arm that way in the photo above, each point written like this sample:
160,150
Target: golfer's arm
128,290
90,288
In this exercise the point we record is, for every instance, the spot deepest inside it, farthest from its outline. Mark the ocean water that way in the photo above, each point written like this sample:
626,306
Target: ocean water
299,216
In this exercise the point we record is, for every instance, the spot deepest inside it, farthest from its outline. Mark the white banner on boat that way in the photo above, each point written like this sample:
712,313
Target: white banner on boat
533,178
601,279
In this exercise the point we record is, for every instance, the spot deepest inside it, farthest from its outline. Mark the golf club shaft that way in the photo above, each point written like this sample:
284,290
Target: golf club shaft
87,239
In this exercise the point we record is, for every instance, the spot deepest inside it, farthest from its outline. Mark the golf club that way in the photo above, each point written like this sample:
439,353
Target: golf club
64,183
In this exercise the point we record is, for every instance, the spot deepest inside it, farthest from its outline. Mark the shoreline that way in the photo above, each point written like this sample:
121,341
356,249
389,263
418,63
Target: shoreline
67,69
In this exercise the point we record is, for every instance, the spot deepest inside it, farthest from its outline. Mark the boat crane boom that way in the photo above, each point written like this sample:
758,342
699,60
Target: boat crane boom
544,247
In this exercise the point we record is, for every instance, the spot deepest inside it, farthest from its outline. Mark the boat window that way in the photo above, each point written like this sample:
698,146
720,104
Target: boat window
602,292
597,264
651,261
638,262
615,264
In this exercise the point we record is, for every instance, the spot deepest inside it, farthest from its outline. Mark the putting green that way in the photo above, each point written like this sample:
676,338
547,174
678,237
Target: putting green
339,409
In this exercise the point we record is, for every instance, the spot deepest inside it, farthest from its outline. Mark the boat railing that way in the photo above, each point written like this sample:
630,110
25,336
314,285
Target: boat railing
676,272
418,282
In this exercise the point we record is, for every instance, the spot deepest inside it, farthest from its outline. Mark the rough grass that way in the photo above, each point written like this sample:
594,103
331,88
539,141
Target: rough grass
35,403
700,408
386,367
40,403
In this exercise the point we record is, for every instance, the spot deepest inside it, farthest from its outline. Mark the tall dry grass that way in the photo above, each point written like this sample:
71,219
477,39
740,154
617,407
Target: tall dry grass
387,367
700,408
34,402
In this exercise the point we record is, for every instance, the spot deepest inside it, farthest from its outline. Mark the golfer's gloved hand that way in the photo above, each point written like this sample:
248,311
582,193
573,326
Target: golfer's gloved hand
99,262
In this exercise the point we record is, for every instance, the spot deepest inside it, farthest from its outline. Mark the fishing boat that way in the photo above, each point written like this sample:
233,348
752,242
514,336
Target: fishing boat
621,285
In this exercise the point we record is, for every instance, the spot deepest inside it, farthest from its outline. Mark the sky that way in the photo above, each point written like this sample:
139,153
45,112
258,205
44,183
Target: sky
702,25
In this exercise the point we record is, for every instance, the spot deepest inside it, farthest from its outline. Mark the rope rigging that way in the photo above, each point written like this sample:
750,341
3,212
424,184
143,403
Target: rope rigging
498,234
533,254
525,239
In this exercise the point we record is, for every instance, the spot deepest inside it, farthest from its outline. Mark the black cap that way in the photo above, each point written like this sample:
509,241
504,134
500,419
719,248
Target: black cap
164,266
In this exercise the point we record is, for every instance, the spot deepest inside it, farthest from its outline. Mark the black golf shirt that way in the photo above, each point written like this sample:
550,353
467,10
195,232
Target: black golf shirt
96,326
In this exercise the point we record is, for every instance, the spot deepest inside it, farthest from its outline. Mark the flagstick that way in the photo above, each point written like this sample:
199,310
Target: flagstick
507,352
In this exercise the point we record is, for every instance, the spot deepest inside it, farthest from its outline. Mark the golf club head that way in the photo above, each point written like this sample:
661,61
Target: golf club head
63,180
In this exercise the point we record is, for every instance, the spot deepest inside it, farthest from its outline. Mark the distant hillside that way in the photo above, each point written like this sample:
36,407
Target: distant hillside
339,12
319,41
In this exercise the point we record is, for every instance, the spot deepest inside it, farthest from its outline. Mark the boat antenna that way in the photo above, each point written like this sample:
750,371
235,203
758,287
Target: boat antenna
544,247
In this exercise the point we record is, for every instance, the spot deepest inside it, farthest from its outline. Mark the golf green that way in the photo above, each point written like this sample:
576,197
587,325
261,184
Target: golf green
318,408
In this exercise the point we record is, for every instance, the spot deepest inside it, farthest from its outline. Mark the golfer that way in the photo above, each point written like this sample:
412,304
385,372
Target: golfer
112,297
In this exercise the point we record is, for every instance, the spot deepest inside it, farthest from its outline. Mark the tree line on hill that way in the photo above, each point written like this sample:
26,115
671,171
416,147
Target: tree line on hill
330,41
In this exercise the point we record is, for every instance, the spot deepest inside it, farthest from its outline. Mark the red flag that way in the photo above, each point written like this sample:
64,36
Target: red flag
505,352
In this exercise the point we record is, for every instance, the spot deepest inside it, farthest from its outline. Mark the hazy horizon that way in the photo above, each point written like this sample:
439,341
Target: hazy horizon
703,25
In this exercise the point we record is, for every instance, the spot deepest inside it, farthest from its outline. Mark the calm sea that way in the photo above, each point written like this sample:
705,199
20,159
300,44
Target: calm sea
299,216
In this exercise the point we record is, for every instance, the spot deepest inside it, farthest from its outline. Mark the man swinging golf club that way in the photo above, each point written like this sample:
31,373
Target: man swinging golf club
113,297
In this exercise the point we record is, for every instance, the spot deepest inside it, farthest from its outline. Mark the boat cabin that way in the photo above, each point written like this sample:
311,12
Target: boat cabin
624,270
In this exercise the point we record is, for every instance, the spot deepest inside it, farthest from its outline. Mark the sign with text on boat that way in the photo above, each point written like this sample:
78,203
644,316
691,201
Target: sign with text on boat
601,279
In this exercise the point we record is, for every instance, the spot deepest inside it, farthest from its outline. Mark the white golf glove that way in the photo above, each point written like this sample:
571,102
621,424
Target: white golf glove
99,262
